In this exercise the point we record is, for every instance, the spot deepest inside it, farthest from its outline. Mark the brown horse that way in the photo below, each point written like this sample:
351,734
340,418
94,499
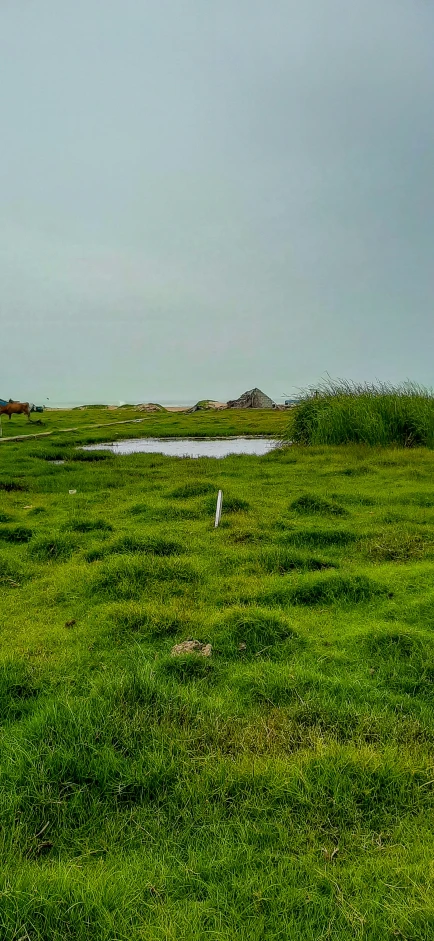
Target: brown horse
15,408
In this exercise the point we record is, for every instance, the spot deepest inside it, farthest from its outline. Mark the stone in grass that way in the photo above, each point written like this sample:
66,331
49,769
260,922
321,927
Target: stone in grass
191,646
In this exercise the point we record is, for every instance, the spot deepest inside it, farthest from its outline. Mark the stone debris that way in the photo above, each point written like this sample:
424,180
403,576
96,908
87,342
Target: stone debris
191,646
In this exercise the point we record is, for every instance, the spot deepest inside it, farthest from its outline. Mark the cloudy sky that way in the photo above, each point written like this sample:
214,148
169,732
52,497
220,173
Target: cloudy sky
197,197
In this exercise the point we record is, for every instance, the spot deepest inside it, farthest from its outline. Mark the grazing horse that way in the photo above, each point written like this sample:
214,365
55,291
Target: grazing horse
15,408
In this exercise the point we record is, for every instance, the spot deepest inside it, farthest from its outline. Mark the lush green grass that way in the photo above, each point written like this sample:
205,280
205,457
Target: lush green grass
143,424
344,413
281,789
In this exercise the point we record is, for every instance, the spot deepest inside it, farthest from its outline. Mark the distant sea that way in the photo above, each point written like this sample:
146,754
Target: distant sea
180,403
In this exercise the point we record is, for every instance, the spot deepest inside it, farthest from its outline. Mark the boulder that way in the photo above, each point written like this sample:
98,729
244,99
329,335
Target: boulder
253,399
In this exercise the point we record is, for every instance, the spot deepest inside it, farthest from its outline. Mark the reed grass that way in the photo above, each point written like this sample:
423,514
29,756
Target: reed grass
339,412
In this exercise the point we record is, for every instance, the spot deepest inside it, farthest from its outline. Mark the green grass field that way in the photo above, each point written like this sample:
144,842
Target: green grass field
283,788
88,423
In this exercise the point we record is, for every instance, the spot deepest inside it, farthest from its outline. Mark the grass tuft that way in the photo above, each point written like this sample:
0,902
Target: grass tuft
195,488
231,504
130,576
189,668
12,486
317,538
325,590
90,457
89,526
281,561
311,504
15,533
55,548
396,644
252,631
154,545
154,620
17,689
397,547
139,509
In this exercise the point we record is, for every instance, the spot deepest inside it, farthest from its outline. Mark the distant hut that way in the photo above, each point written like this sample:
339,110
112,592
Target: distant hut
253,399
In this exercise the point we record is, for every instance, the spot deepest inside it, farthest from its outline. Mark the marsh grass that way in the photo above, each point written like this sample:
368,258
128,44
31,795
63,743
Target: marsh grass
282,788
339,412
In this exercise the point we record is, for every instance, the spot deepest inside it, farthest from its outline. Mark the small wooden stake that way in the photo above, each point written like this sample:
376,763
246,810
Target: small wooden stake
218,511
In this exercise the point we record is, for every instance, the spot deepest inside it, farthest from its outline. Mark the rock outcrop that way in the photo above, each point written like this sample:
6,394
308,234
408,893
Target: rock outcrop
253,399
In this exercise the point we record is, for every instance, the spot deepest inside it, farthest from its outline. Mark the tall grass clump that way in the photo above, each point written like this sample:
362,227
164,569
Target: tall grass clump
341,412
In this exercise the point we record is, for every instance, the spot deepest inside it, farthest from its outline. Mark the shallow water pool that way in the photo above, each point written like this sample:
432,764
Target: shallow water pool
188,447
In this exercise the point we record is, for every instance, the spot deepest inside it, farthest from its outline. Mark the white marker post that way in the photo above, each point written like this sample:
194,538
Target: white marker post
218,511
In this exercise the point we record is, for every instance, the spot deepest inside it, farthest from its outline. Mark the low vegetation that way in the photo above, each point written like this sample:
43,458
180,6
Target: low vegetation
281,788
98,423
344,413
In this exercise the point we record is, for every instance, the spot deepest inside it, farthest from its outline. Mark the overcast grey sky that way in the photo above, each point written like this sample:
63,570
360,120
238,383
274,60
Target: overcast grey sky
201,197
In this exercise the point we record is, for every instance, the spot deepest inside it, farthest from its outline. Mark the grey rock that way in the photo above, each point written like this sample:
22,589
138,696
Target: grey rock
252,399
